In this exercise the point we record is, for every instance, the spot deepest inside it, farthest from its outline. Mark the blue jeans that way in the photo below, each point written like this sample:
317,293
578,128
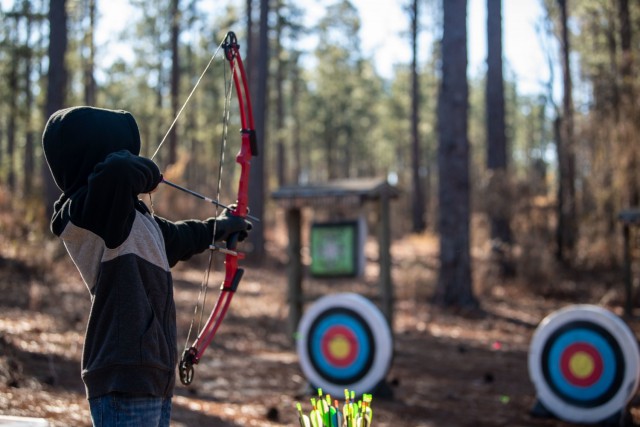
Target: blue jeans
116,410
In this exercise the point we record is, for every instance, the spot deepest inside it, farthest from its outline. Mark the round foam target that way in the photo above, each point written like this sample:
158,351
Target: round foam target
344,341
584,363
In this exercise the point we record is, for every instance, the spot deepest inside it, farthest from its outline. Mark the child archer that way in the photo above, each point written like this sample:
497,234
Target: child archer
124,254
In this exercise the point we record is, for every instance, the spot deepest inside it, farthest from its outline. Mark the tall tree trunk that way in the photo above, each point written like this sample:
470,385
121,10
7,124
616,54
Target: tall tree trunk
497,153
192,175
257,178
56,83
12,119
296,83
281,65
629,123
567,207
454,287
29,160
89,60
418,205
250,41
557,132
175,77
159,95
626,66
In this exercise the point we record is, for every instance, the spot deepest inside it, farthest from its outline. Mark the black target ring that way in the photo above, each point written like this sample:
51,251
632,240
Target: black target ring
353,361
584,362
601,397
344,341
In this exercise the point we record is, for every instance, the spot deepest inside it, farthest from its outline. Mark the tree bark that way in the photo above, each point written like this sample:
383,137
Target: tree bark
280,99
567,207
56,83
29,149
418,205
256,178
12,118
628,107
175,78
497,153
89,79
454,287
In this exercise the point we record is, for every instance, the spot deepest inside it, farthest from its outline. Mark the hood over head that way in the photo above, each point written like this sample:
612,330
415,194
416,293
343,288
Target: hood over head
76,139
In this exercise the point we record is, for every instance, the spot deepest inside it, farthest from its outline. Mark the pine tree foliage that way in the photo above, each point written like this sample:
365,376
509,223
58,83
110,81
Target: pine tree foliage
330,113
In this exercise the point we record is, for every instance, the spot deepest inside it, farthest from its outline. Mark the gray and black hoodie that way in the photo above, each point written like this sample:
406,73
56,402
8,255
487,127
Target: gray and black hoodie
123,251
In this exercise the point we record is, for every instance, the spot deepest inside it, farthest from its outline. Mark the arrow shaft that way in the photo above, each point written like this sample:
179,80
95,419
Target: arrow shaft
201,197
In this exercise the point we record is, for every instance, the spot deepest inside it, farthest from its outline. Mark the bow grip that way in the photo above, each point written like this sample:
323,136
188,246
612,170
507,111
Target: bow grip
235,281
232,241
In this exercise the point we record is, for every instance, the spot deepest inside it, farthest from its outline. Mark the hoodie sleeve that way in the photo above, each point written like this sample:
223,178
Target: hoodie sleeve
109,204
183,239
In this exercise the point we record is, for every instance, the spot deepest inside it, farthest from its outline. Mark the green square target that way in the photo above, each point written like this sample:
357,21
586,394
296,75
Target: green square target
335,249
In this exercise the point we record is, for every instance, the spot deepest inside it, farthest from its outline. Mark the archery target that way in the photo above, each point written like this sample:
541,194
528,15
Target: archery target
344,341
584,362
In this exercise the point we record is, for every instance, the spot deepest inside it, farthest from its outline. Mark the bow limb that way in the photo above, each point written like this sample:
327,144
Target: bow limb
233,274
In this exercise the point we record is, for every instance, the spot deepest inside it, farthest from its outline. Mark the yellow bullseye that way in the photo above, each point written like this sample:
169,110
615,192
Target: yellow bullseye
339,347
581,364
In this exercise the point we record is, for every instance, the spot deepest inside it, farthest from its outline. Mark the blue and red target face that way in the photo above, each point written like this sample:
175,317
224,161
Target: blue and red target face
341,346
583,364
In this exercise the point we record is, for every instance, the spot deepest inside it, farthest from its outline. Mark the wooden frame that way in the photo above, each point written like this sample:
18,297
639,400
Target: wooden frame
351,195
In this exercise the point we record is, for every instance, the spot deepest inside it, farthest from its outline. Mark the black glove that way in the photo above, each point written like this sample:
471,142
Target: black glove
228,225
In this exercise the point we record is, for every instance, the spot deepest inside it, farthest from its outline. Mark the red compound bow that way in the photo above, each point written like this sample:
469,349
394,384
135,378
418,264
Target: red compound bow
233,274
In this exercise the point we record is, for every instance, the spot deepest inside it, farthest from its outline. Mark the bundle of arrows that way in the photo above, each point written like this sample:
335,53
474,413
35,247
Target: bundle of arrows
326,412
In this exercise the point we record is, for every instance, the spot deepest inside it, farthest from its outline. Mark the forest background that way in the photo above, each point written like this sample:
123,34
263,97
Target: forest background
327,113
532,183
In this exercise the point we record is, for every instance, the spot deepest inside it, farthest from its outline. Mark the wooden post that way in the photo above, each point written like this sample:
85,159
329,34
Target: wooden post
628,283
384,256
294,269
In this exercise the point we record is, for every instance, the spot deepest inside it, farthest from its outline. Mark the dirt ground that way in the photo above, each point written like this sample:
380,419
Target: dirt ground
449,369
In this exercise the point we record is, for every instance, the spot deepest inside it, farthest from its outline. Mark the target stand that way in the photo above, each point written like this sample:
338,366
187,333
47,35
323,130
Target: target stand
344,342
584,363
